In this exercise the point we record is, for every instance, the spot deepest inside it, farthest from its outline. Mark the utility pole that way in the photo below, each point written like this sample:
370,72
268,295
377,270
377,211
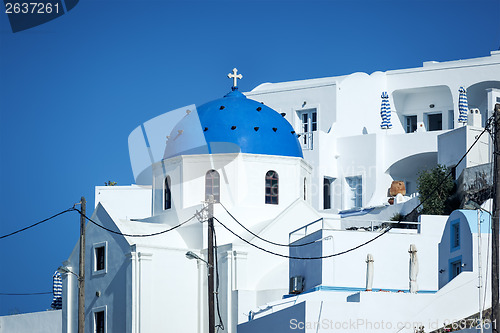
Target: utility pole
211,311
81,272
495,313
480,270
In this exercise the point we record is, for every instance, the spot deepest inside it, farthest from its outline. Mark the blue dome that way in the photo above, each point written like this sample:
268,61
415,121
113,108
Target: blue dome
233,124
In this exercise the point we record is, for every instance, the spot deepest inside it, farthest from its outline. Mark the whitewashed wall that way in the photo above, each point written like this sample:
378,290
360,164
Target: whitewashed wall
40,322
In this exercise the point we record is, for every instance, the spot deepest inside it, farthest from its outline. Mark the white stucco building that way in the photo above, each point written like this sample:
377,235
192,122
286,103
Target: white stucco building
244,149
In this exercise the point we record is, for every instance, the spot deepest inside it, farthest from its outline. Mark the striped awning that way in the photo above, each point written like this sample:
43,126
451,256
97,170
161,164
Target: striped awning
57,291
385,111
463,107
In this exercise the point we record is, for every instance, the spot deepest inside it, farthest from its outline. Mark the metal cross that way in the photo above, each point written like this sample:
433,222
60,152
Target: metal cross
235,77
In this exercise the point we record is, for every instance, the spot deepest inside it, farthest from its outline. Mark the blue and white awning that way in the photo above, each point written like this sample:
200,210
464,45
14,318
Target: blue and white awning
385,111
463,107
57,291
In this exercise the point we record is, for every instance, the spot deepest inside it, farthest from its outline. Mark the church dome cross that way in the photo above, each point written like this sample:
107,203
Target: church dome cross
235,78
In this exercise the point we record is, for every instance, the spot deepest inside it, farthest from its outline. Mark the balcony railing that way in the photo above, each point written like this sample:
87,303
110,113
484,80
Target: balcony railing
306,140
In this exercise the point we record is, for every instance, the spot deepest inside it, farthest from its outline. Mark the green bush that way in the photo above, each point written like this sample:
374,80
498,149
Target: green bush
435,191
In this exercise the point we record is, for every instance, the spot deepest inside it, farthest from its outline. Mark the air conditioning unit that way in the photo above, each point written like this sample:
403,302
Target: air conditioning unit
296,284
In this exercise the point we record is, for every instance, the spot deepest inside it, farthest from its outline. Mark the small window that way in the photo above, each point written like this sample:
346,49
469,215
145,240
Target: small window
434,122
100,258
167,195
455,268
327,200
451,119
411,124
305,188
455,235
309,124
212,185
99,322
272,188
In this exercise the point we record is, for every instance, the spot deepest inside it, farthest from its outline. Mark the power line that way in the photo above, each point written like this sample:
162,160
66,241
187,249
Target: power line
265,240
37,223
360,245
308,243
26,294
137,235
488,123
304,258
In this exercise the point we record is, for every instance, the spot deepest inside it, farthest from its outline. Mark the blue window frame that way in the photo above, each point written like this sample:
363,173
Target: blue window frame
454,235
455,267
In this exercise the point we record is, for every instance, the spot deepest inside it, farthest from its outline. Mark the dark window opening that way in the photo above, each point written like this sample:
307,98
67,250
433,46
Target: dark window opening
100,258
411,124
327,200
99,322
305,188
434,122
456,268
456,235
272,187
314,122
167,194
212,185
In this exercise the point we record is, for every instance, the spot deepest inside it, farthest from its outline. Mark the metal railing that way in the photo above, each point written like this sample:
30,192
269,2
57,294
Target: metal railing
306,140
363,225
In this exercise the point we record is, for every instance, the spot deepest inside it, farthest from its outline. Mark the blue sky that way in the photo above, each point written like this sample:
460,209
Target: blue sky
72,90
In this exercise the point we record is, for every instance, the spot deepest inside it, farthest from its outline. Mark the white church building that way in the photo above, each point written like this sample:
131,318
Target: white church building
302,162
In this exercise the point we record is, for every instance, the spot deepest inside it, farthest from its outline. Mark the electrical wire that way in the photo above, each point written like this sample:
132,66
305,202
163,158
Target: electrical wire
360,245
263,239
26,294
488,122
37,223
304,258
136,235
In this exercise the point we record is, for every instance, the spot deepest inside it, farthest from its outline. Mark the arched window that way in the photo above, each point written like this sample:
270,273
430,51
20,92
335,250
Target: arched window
167,195
212,185
272,188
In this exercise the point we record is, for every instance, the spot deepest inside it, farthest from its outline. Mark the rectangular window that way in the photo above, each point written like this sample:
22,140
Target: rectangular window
434,122
305,123
309,124
355,192
99,322
451,119
100,259
327,194
314,121
411,124
456,268
455,235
